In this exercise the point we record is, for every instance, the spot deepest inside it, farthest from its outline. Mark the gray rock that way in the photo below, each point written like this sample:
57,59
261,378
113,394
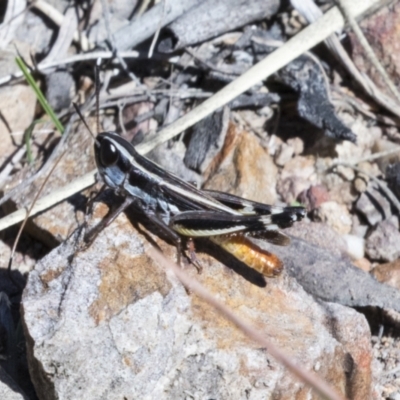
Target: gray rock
383,243
107,323
60,89
315,260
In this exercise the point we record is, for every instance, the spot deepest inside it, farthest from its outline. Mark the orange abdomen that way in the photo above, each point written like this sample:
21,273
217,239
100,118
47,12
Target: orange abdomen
249,253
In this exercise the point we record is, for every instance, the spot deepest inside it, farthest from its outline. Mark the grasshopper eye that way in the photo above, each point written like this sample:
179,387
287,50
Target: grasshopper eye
108,154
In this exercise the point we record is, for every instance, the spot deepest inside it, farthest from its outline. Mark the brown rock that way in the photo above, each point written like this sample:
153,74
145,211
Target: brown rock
363,264
249,172
314,197
388,273
291,188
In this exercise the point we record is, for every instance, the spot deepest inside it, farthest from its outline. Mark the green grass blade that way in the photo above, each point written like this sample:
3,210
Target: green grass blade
42,100
28,138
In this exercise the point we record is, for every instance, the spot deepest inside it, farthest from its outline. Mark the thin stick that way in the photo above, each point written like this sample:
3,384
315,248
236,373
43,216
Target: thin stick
319,385
50,200
371,157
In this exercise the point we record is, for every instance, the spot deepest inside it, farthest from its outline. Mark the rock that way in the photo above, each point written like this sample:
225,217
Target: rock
284,154
346,173
300,166
297,144
360,184
352,330
379,28
249,172
207,141
358,228
373,205
340,190
363,263
291,188
383,243
297,176
388,273
313,197
60,89
24,262
335,215
355,246
386,355
106,322
327,273
19,101
320,235
170,157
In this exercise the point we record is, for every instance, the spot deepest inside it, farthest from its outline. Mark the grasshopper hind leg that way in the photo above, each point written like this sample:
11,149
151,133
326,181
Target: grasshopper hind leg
168,232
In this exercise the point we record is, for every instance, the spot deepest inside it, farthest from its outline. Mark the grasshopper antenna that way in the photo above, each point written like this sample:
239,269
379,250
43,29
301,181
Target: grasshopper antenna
97,95
97,88
84,121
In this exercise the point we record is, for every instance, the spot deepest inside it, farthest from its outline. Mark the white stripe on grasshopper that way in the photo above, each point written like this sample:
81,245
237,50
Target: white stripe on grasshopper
207,232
